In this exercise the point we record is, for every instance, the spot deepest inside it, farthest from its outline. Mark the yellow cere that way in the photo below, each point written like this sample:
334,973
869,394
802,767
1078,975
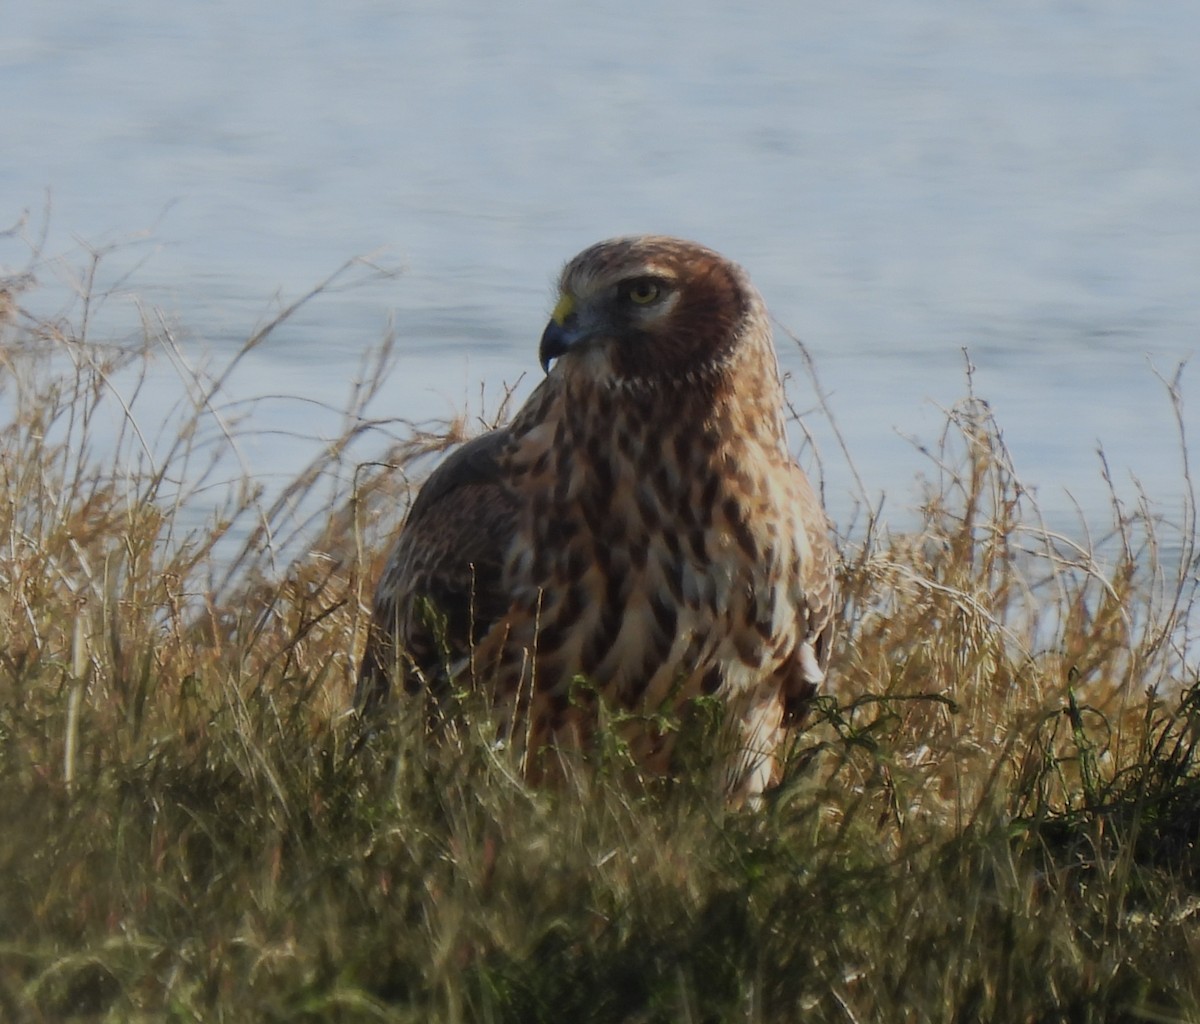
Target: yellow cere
564,308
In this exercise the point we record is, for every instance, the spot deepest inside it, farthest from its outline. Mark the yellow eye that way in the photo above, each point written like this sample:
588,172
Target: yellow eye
642,291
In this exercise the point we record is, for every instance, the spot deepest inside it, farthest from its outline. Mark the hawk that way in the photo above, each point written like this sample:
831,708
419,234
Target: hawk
638,535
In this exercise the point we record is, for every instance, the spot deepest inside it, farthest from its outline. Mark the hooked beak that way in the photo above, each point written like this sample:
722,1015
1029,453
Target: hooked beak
555,341
561,333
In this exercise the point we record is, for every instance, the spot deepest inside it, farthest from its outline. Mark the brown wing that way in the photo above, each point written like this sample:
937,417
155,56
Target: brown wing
442,587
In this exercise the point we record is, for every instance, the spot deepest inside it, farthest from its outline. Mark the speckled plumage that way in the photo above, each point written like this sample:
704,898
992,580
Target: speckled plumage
640,523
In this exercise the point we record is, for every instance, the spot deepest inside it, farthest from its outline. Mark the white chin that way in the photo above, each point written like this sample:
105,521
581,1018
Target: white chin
591,363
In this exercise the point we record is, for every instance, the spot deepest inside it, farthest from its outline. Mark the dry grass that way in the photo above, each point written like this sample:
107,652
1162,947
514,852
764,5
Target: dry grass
993,818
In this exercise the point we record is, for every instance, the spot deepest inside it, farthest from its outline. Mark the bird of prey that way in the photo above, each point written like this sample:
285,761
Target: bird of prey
638,535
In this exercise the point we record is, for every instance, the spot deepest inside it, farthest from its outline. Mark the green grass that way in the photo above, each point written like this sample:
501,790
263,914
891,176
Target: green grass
993,817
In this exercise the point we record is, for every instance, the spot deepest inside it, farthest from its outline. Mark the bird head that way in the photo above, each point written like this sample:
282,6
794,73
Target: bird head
650,310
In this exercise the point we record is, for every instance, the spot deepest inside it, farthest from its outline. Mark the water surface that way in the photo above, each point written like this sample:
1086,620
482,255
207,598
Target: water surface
904,181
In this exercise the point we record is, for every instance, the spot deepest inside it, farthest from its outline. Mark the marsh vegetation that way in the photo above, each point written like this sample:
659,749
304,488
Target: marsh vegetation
993,816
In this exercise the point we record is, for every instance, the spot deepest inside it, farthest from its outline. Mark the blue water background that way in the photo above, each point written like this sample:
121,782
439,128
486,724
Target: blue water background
904,180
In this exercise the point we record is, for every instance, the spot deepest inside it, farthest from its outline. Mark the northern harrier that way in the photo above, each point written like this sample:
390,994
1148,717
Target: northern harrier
639,527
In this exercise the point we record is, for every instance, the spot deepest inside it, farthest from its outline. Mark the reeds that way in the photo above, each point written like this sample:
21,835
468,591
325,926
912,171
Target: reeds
991,817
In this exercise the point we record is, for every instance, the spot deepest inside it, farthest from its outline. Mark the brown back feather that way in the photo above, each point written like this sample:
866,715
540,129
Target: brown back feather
442,587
